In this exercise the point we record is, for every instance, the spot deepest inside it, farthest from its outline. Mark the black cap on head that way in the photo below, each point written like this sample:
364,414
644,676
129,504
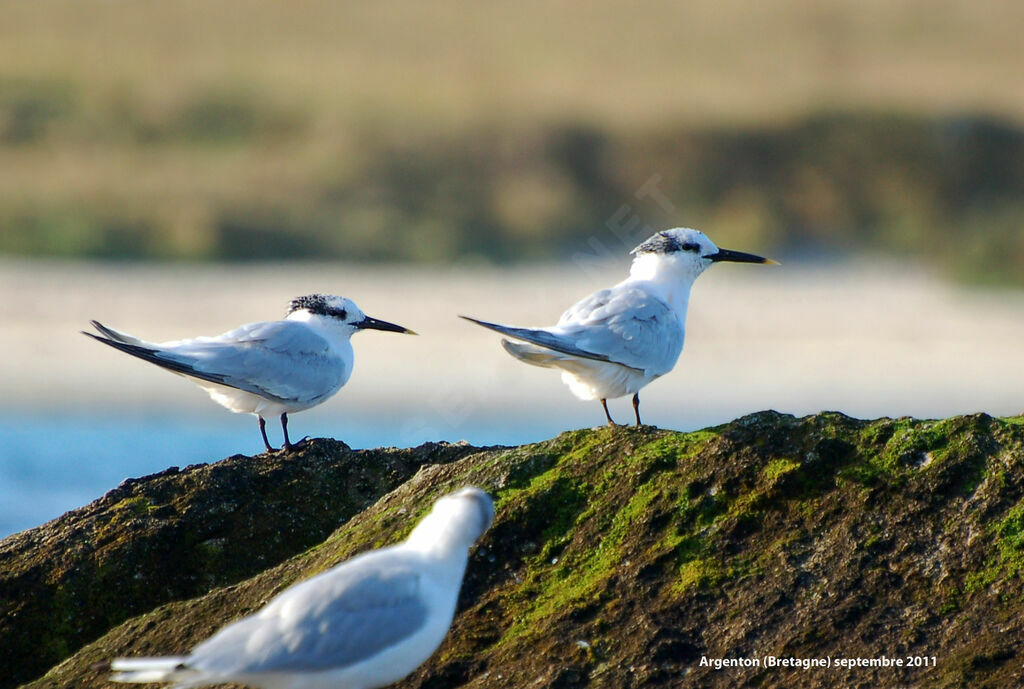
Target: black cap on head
314,303
666,243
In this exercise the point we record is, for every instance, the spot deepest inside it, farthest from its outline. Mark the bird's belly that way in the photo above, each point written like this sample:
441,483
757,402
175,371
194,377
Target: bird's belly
243,402
593,380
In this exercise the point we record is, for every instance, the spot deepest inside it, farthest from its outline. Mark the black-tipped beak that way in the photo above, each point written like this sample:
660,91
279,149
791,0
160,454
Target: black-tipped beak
739,257
369,323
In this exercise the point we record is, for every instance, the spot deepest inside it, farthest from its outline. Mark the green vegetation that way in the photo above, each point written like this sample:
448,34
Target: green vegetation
615,553
1010,534
254,131
920,188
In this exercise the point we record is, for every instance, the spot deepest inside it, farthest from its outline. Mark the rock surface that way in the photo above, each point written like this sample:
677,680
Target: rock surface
619,557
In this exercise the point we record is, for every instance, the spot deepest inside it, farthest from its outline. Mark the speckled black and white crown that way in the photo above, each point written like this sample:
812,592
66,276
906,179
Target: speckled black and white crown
665,243
319,304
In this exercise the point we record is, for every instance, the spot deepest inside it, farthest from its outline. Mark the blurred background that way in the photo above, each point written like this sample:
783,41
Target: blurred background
176,169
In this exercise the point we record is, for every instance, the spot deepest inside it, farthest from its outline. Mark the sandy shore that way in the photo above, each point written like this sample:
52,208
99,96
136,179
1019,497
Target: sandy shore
866,339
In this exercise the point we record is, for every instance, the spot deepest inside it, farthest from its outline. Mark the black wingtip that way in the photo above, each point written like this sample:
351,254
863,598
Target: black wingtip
107,332
486,324
503,329
106,335
479,322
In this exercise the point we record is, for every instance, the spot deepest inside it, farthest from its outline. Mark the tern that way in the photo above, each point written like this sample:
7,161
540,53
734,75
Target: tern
366,623
617,340
271,368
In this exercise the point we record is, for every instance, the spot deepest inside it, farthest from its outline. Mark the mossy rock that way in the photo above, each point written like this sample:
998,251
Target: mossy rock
622,556
177,535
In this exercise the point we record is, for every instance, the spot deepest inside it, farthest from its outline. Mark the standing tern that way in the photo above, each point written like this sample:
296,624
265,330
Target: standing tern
617,340
269,368
366,623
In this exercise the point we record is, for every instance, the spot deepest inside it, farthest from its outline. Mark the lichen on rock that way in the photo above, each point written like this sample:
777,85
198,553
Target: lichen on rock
619,556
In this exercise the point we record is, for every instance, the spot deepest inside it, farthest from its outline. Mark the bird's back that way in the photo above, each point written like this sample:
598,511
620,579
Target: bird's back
332,622
628,325
282,361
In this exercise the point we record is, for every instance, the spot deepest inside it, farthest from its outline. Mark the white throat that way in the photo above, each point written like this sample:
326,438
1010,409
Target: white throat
330,328
441,537
667,277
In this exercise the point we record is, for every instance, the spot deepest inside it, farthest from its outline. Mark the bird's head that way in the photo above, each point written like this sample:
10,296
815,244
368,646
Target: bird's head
338,311
685,253
456,521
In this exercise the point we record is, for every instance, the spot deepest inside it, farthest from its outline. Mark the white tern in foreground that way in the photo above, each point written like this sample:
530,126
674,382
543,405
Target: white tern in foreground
366,623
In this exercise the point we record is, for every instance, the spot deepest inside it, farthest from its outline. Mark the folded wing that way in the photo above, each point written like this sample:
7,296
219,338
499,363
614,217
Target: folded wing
335,620
628,326
279,360
621,325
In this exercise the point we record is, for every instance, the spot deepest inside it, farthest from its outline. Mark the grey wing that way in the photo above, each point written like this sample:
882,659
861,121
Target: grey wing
539,336
322,623
278,360
628,326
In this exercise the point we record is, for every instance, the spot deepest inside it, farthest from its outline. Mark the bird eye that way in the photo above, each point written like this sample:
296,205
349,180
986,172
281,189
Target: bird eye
691,246
340,313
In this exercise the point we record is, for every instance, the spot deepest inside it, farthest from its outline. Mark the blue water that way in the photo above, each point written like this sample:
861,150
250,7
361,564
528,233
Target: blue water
54,462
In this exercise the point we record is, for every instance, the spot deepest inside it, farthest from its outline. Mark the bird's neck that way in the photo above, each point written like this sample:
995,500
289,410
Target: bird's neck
331,329
440,540
667,280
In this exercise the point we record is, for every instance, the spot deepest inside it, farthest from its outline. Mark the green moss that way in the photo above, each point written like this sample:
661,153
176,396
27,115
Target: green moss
748,505
778,468
909,445
671,449
775,548
139,506
698,530
979,581
1009,533
701,572
700,510
951,602
113,531
567,575
577,578
998,477
1007,559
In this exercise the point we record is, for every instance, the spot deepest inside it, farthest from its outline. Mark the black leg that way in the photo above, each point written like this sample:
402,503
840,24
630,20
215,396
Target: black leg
263,432
636,407
288,445
604,403
284,427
